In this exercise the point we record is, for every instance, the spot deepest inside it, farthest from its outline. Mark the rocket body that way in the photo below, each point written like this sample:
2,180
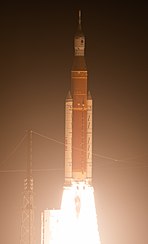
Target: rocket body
78,118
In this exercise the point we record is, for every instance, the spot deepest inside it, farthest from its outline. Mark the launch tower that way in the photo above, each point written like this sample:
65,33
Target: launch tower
27,224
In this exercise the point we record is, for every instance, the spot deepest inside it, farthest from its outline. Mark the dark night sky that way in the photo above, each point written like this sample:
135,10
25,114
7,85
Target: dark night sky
36,53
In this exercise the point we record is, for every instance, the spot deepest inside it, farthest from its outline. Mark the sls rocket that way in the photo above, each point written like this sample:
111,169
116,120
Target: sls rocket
78,118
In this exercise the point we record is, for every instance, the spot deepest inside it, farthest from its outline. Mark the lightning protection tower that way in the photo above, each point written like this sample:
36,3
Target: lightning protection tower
27,210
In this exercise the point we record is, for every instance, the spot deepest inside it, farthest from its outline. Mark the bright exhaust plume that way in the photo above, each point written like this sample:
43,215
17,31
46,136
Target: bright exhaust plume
78,222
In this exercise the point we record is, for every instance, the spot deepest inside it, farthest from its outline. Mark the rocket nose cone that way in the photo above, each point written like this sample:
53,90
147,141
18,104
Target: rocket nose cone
68,96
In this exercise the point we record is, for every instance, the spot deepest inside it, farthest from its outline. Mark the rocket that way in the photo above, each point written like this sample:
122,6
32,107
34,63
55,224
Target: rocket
78,117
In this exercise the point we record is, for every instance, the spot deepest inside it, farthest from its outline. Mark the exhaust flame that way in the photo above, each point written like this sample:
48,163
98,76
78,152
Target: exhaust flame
78,220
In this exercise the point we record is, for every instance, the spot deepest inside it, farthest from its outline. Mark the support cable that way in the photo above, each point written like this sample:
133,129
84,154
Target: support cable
96,155
115,160
13,150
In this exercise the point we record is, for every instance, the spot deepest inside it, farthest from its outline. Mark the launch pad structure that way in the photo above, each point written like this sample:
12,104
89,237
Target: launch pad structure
27,224
76,220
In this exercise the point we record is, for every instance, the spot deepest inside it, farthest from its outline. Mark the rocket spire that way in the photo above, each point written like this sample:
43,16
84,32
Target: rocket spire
80,18
89,97
79,47
69,96
79,30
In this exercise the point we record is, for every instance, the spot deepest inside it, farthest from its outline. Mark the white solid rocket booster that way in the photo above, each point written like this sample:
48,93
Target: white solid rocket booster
68,138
